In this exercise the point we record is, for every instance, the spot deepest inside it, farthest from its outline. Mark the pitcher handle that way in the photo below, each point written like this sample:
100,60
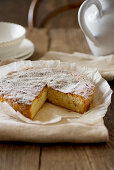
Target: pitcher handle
81,19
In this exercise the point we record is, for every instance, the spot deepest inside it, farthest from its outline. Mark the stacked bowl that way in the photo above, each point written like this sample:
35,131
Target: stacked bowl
13,43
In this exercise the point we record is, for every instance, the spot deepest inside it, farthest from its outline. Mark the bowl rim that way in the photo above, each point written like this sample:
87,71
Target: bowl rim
15,39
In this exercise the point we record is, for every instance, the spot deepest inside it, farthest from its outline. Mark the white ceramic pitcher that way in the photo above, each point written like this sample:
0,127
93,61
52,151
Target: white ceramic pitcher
96,19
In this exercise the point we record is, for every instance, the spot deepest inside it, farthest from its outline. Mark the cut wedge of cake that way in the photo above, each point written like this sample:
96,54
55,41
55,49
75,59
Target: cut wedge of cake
27,90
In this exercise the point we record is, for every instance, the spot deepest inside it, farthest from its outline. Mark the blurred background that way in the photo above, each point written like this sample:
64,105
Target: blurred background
48,13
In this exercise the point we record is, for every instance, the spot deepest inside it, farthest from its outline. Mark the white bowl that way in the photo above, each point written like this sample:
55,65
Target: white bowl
11,34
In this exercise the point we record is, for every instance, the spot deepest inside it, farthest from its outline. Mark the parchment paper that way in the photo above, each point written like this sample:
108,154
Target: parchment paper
53,123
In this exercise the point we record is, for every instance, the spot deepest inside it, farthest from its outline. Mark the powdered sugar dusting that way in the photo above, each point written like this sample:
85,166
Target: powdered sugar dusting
23,86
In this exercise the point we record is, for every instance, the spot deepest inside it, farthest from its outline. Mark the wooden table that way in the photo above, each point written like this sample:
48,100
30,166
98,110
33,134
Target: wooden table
27,156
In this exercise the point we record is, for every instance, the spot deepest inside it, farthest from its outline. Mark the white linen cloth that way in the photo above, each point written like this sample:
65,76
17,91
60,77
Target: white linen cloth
104,64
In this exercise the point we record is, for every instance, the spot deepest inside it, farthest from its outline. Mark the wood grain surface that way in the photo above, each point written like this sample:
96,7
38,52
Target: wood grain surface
26,156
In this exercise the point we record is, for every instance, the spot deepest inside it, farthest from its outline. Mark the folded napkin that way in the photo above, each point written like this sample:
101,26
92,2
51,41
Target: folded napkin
104,64
53,123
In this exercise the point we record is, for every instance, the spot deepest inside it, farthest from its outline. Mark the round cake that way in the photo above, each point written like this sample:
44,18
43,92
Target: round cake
27,90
